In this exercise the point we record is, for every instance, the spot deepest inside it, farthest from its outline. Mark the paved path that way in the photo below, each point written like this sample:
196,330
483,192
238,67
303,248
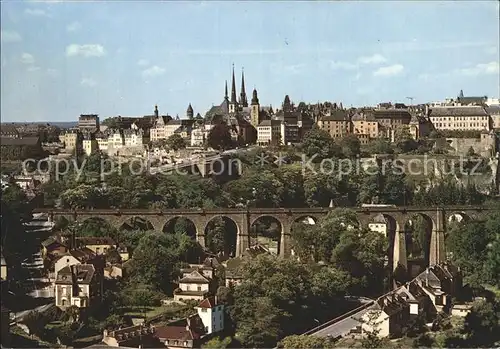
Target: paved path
342,327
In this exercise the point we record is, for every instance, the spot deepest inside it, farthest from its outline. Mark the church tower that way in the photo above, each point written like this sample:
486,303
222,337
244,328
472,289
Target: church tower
233,103
190,112
254,112
243,95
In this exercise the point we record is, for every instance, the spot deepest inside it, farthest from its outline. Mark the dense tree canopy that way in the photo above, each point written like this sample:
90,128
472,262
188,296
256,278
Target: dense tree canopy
219,137
474,247
176,142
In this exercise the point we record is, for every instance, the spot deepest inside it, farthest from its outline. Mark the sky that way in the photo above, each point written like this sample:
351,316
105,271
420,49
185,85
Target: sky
60,59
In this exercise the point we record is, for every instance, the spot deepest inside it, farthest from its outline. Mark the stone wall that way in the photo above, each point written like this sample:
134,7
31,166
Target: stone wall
484,146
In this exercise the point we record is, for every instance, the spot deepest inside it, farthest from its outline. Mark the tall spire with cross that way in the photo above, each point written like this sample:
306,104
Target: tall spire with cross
233,89
243,95
225,93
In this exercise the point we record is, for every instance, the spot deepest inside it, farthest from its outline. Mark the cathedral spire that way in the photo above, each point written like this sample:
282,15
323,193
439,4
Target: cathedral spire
225,92
255,99
243,95
233,89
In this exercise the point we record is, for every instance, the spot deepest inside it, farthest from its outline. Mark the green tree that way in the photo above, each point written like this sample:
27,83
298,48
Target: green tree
217,343
320,188
362,253
73,313
468,244
319,145
404,141
380,146
482,325
305,342
351,146
176,142
219,137
36,322
319,240
216,235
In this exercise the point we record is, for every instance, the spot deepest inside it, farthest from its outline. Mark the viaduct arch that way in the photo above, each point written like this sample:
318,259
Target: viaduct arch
244,218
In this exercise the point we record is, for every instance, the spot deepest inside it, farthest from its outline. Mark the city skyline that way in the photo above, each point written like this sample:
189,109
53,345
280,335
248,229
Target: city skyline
63,59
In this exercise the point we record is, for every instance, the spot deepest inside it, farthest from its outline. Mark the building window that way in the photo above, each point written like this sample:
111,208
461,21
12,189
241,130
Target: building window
203,310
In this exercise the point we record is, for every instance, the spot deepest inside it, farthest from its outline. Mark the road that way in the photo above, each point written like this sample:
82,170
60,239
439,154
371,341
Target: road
342,327
190,162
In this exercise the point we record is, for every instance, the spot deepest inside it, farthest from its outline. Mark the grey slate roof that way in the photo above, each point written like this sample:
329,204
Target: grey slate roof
458,111
82,274
23,141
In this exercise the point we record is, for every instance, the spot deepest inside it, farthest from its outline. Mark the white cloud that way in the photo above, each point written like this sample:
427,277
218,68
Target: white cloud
35,12
364,60
343,65
153,71
27,58
88,50
142,62
391,70
481,69
73,27
10,36
89,82
374,59
52,72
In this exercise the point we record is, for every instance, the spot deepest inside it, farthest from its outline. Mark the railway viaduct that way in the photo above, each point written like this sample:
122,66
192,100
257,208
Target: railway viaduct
396,218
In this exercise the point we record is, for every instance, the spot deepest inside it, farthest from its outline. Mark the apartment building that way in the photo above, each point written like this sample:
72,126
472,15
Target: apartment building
337,123
364,123
88,122
269,133
77,285
200,135
494,112
166,128
135,137
89,144
460,118
71,140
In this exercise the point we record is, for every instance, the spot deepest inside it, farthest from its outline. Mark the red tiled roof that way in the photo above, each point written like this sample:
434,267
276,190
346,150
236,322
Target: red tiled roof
208,303
175,332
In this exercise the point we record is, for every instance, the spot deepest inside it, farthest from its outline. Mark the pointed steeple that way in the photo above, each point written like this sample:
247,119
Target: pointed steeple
233,89
189,111
156,110
255,99
243,95
225,92
461,94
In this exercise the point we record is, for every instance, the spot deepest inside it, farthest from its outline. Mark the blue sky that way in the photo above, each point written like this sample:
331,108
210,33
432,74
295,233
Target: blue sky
61,59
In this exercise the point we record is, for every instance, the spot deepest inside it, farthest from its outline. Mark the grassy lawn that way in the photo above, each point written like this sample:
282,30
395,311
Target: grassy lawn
152,311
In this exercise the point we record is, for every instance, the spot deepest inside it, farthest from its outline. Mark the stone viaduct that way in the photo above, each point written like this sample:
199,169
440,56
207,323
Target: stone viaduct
396,218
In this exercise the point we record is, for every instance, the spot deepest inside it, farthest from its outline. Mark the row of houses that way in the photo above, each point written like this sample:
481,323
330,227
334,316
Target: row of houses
254,123
437,289
77,269
190,332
